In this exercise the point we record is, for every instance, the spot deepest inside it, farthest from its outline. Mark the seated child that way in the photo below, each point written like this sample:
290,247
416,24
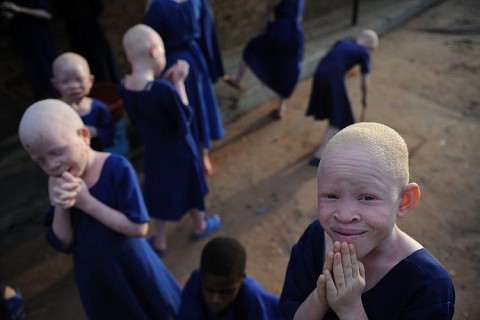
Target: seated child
72,79
355,262
98,215
220,289
159,112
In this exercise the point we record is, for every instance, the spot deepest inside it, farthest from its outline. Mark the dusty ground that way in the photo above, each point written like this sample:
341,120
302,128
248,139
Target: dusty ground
425,84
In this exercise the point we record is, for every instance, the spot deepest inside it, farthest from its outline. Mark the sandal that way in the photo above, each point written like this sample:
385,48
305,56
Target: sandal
160,252
213,224
15,306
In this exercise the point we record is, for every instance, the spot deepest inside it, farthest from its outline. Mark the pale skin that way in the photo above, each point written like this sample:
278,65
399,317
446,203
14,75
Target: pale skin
147,60
358,208
64,154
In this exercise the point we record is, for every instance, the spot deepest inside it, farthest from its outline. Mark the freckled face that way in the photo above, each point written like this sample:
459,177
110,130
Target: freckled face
57,153
219,292
357,202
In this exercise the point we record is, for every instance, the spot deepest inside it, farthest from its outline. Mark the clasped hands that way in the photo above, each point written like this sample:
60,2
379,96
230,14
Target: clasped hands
67,190
342,282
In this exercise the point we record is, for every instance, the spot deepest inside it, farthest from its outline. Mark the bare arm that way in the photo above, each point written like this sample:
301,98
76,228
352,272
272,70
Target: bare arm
177,74
364,83
37,13
76,194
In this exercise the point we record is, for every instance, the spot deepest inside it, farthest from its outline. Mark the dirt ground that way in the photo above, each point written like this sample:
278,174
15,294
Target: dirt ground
425,84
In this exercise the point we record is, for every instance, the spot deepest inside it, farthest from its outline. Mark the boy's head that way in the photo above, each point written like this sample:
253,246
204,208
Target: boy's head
222,268
55,137
363,185
71,77
144,49
369,39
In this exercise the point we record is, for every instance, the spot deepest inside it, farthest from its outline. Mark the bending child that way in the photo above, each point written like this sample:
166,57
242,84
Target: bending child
371,268
220,289
328,97
98,215
159,112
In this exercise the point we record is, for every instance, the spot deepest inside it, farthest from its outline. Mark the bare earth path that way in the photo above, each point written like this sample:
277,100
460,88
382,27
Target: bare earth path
425,84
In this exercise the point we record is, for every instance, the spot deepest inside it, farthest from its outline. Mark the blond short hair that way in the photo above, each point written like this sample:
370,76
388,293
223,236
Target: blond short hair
385,145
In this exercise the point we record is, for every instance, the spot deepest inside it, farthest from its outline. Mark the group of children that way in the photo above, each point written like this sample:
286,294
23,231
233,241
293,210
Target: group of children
353,262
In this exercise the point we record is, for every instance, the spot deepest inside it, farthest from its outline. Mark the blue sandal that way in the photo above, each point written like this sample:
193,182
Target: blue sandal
160,252
213,224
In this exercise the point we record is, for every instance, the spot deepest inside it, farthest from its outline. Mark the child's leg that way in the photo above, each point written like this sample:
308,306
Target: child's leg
237,82
203,226
330,131
159,241
207,163
279,112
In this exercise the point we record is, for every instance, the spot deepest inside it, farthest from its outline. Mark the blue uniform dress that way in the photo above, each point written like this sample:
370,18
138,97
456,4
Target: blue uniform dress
118,277
174,180
36,46
179,25
418,287
209,44
252,303
328,97
276,55
100,118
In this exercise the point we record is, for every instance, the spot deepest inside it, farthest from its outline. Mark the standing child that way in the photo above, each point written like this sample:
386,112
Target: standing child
275,56
179,23
354,262
159,112
221,290
73,80
328,97
97,214
34,41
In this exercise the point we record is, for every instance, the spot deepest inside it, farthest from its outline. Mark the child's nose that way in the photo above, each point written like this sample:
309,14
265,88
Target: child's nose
346,212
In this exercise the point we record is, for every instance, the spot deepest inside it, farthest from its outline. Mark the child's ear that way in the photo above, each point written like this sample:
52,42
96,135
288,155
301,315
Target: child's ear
410,197
153,51
84,133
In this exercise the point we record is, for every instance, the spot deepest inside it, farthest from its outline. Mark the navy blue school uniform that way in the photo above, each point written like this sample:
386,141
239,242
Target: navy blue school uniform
180,26
275,56
252,302
208,42
118,277
328,97
418,287
100,118
36,46
174,179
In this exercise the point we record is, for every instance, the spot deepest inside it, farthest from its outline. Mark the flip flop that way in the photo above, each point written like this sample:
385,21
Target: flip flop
15,306
314,162
160,252
213,224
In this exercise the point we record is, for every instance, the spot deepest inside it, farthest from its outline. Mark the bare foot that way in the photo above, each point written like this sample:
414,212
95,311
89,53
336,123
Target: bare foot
233,83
